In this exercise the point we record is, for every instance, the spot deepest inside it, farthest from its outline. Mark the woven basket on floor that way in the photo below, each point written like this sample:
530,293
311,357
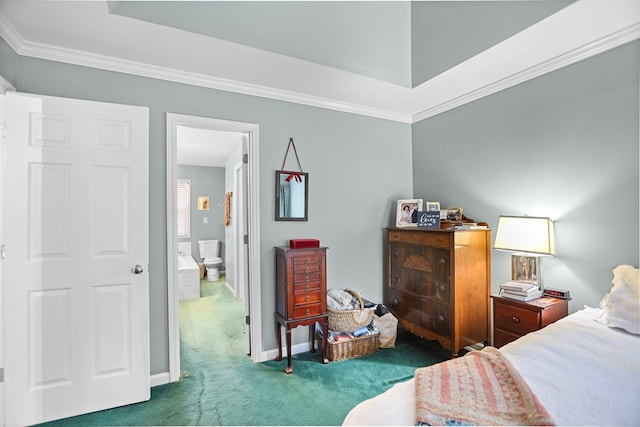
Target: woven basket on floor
349,320
352,348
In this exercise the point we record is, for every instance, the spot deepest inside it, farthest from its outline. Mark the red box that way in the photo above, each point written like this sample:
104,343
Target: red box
304,243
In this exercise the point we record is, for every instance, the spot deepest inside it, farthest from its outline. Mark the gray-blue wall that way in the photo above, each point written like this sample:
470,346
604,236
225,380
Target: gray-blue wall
205,181
358,167
564,145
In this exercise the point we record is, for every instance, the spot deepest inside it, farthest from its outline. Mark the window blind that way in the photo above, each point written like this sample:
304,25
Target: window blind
183,201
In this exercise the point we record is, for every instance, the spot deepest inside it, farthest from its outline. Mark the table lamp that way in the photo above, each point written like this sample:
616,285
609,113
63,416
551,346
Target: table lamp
528,239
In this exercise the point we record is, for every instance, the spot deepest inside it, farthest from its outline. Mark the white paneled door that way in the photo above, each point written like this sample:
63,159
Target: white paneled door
75,230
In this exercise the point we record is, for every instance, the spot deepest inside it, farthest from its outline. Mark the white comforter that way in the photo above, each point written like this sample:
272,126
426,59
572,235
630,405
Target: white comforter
583,372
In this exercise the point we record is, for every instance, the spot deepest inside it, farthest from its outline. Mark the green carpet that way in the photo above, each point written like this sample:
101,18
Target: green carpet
221,386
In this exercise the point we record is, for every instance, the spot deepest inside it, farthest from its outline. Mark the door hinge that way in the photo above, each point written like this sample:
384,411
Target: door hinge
3,131
247,319
2,251
1,375
246,239
245,158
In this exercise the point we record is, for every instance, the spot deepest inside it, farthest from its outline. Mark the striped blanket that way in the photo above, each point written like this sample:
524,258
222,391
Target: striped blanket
481,388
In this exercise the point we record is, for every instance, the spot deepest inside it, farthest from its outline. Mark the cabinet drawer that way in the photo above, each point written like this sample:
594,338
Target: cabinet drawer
306,297
515,319
303,278
312,267
306,310
306,287
307,259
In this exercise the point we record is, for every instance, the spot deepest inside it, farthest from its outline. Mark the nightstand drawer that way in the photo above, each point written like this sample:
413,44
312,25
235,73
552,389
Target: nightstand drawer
501,337
515,319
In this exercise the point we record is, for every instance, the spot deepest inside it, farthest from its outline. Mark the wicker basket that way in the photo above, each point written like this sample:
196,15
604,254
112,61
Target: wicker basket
349,320
352,348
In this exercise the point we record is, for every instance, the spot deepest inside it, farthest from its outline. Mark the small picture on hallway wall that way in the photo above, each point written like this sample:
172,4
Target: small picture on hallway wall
204,203
407,212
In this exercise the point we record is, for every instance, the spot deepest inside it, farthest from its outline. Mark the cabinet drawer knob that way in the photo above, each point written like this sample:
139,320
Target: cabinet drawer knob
306,270
515,319
306,260
307,279
307,299
440,319
307,311
306,288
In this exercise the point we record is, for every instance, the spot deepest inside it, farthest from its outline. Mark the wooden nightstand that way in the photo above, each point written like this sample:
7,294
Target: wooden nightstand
513,319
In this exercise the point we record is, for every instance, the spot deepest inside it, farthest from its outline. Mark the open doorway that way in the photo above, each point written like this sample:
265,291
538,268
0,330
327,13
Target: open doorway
241,231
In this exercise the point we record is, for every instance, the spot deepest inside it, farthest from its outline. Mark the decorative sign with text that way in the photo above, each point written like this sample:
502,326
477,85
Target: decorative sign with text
429,219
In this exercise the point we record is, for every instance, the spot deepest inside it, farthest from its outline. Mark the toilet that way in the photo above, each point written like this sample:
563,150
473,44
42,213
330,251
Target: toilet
210,252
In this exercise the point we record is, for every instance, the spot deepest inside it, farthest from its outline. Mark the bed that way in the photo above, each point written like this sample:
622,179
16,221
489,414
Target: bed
584,369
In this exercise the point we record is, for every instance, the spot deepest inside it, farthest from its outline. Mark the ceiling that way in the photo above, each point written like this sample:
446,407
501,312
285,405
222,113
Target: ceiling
401,61
205,147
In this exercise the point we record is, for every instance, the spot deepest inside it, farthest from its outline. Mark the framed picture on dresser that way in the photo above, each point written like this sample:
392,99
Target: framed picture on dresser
407,212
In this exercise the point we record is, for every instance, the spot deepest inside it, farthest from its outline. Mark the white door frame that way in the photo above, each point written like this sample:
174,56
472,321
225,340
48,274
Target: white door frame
253,208
5,87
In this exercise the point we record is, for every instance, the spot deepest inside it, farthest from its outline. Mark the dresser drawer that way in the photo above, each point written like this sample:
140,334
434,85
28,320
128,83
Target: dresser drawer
425,313
426,238
515,319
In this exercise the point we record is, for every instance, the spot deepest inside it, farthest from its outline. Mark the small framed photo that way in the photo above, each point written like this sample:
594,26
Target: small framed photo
524,268
431,206
203,203
454,214
407,212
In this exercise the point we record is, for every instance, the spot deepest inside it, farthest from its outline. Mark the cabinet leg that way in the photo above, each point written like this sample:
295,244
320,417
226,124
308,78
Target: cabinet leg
325,336
312,338
279,338
289,368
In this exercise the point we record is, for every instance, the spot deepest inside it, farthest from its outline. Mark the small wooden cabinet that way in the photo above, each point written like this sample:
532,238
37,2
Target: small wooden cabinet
513,319
438,283
301,295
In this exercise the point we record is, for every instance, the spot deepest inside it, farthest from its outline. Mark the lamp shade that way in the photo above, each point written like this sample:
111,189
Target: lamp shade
525,234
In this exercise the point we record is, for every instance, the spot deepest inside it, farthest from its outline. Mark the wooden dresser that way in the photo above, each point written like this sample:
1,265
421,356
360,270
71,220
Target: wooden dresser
438,284
301,295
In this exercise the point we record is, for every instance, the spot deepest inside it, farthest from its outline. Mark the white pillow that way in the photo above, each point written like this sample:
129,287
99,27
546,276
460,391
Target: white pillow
621,306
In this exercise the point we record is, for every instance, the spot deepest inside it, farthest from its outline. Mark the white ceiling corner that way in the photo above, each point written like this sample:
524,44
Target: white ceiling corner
85,33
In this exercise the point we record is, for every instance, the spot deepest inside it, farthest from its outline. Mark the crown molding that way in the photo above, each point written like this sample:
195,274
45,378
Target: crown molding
576,55
410,97
103,62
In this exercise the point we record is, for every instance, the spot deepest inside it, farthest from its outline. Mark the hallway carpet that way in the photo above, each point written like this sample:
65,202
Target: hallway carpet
221,386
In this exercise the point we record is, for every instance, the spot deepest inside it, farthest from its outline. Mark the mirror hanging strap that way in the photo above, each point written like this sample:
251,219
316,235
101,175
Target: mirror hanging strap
292,175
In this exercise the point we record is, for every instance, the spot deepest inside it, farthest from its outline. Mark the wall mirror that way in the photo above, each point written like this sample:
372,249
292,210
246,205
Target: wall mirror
292,195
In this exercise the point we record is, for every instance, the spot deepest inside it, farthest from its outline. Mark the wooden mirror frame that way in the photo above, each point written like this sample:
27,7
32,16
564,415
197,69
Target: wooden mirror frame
282,176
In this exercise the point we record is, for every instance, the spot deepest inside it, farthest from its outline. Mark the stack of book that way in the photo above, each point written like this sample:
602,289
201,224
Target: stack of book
522,291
